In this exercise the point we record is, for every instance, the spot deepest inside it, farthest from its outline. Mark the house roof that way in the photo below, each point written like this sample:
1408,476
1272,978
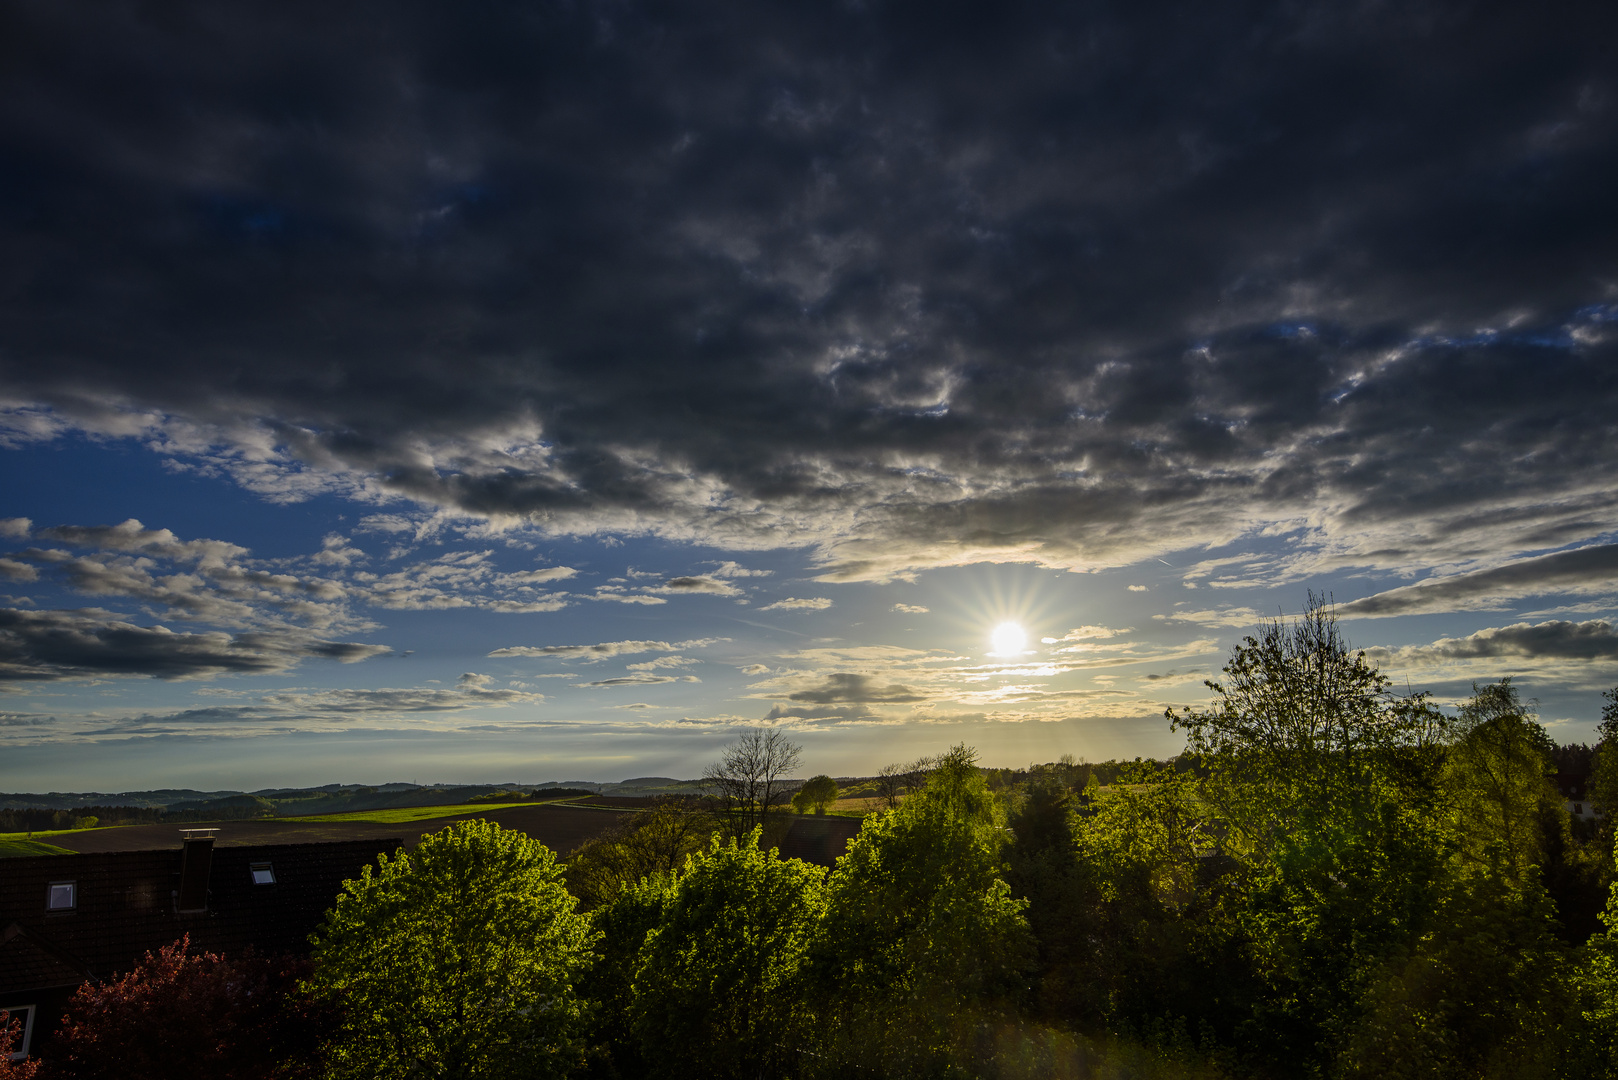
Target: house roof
819,840
30,962
125,907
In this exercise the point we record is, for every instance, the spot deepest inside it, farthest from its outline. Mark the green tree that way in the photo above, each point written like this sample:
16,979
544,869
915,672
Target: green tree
1488,991
716,988
623,922
817,793
1604,776
655,841
1063,900
1323,786
456,959
922,943
1597,1049
1496,777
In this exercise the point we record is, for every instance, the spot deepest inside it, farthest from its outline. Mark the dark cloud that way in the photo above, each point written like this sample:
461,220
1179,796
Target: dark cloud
819,712
48,645
711,585
21,720
641,678
132,536
1584,570
1557,640
848,687
310,710
915,285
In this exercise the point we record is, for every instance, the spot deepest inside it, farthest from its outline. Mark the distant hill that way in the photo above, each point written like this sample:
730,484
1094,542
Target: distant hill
175,803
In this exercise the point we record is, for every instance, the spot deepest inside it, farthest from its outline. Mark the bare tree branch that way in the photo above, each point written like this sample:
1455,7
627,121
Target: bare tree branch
749,779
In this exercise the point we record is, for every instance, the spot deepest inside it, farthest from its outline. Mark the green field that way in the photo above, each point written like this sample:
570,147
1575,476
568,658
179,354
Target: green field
41,833
413,813
13,845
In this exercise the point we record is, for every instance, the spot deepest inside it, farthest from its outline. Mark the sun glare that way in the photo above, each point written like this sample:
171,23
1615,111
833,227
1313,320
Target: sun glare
1007,639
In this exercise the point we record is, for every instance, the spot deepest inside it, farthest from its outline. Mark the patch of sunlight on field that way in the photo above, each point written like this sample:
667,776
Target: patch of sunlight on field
412,813
16,845
38,834
859,805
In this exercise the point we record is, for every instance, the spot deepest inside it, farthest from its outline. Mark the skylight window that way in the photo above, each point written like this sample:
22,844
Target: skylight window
63,896
19,1014
263,873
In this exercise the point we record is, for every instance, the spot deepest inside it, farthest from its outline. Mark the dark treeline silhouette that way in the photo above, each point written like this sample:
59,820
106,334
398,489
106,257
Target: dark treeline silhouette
1334,880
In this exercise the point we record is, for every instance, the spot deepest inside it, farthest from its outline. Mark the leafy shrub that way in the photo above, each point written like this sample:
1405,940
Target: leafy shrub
456,959
180,1015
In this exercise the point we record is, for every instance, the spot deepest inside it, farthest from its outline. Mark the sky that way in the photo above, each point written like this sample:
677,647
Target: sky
521,391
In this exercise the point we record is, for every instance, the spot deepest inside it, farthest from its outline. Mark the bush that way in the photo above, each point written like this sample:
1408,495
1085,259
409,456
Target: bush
455,959
10,1035
716,989
179,1015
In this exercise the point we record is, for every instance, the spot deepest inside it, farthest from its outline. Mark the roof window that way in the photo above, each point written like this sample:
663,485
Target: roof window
62,896
263,873
14,1015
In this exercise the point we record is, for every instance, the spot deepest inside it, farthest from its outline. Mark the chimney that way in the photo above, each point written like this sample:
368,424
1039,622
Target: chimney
194,867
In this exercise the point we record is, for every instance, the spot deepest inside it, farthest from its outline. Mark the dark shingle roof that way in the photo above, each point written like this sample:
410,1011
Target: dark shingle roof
125,905
818,840
28,962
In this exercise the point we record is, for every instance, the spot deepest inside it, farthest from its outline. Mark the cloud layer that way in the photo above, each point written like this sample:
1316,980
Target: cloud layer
50,645
908,286
1584,570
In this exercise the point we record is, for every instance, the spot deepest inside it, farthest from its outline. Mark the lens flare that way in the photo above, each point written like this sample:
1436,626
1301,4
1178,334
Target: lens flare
1007,639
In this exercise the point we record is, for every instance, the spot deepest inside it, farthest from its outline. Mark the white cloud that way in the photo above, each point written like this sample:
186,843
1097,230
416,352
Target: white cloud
607,592
12,570
663,662
792,603
733,570
606,649
534,577
910,609
1211,617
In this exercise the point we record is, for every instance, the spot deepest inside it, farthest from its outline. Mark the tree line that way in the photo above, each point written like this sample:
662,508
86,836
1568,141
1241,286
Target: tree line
1335,880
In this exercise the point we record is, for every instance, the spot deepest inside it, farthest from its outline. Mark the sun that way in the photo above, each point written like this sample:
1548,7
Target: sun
1007,639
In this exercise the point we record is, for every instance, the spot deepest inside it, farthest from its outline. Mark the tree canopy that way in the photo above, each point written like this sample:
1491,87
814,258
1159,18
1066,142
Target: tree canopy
456,959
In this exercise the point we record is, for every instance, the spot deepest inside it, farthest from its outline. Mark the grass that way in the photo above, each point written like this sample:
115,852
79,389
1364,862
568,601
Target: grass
37,833
412,813
858,806
16,845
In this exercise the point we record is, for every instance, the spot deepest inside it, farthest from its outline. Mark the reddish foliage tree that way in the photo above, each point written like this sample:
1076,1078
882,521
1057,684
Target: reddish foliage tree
10,1036
180,1015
